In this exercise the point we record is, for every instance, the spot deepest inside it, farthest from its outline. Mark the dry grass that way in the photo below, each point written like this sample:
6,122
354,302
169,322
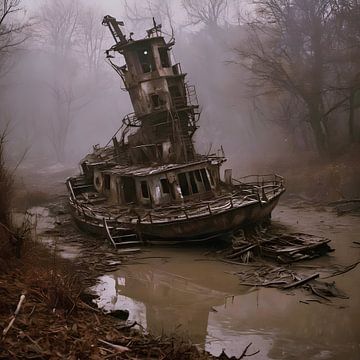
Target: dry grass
6,181
57,322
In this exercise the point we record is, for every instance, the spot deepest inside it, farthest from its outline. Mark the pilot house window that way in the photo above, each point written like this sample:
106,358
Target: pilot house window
146,59
164,57
155,99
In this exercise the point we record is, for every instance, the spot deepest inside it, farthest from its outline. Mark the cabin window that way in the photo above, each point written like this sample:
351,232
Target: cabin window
205,180
146,59
144,190
184,186
194,187
164,57
107,182
198,175
165,186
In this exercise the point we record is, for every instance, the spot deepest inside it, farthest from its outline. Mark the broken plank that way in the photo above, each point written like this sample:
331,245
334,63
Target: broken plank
301,282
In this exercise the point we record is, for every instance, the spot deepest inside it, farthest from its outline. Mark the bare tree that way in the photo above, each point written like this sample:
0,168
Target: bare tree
59,24
91,38
139,16
346,60
288,51
12,31
208,12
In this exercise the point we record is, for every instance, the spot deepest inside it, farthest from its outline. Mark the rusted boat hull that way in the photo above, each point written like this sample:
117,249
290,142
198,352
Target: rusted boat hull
198,229
209,226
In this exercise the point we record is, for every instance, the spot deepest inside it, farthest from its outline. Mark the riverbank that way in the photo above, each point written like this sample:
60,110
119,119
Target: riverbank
58,319
77,329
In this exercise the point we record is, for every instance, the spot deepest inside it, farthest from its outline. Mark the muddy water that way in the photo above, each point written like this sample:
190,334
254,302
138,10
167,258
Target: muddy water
182,291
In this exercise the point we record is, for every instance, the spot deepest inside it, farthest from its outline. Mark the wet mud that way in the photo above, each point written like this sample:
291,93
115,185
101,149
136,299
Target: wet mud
183,291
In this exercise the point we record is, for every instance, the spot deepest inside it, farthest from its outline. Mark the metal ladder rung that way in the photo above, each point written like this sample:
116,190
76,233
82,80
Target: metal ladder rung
126,243
129,250
124,236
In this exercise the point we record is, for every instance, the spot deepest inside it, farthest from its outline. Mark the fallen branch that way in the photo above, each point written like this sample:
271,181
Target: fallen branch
244,353
6,330
301,282
239,253
117,348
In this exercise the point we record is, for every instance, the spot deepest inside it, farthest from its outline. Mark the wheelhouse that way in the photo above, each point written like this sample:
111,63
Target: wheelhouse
154,186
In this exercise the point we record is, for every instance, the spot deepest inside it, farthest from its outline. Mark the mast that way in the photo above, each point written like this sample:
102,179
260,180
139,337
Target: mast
166,109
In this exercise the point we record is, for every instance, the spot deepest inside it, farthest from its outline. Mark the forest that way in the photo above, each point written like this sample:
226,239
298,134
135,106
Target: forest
278,90
273,77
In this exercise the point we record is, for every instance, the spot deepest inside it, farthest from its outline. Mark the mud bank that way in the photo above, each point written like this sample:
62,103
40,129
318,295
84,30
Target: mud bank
185,293
57,318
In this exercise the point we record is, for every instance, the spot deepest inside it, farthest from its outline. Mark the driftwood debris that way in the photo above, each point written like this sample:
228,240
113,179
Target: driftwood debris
272,244
301,282
13,318
118,348
288,278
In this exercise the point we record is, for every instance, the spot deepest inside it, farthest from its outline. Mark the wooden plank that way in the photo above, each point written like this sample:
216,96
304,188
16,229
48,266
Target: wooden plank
129,250
301,282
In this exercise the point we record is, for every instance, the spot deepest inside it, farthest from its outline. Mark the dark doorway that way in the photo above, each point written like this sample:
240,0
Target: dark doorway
184,184
129,189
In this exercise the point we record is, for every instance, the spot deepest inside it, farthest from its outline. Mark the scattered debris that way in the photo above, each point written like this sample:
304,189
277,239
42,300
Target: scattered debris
244,354
11,323
275,245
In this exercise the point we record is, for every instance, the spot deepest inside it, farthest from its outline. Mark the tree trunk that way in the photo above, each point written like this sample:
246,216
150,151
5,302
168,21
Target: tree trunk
352,137
320,135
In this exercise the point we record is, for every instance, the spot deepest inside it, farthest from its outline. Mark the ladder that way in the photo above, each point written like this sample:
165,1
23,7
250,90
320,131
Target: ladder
126,242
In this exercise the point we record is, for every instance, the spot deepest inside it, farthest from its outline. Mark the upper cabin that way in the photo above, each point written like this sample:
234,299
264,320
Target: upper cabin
155,186
153,82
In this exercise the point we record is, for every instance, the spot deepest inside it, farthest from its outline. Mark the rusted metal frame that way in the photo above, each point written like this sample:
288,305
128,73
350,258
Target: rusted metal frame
107,230
69,186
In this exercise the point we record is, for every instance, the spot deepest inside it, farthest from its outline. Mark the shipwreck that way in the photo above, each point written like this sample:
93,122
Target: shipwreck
148,184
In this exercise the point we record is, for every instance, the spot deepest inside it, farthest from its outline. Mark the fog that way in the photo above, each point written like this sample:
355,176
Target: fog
60,97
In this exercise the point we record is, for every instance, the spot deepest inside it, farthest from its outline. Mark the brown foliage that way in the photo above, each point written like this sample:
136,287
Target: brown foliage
6,181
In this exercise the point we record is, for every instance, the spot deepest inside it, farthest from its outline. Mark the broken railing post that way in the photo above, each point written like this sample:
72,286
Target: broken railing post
186,214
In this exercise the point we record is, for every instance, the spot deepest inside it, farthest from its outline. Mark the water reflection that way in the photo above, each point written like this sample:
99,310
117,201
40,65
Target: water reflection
164,299
203,301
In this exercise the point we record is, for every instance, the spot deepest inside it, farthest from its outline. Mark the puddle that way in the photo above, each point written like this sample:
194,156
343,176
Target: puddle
202,301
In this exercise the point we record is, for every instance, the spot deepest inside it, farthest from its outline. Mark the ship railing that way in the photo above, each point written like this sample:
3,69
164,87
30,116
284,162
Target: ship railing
191,95
250,189
267,183
208,208
177,69
190,98
131,120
